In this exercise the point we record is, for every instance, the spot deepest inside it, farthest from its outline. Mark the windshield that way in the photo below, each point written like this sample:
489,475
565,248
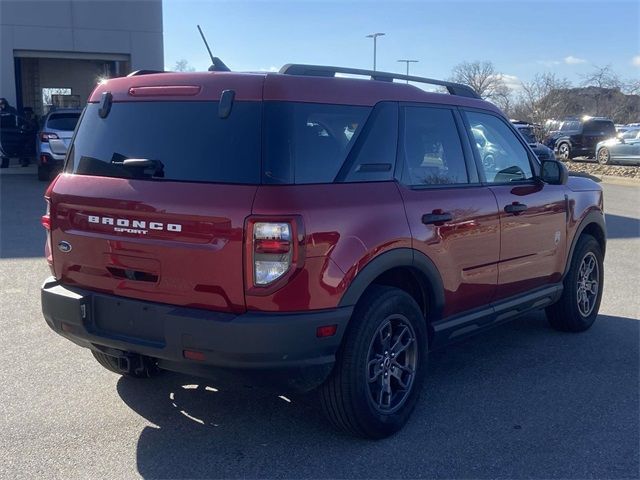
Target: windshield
528,134
63,121
630,134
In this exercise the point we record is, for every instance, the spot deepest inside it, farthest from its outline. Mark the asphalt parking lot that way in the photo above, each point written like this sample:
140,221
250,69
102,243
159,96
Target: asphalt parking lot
521,401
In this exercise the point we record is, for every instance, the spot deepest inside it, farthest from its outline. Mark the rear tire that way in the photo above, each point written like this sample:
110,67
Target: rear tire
109,362
578,306
564,151
380,367
4,163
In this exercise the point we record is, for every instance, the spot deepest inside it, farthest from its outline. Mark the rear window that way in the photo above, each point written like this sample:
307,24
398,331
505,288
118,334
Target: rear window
63,121
186,141
308,142
599,127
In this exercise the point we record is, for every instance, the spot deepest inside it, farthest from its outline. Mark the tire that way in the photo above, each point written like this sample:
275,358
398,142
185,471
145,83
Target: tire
384,317
570,314
603,156
44,173
4,163
564,151
147,369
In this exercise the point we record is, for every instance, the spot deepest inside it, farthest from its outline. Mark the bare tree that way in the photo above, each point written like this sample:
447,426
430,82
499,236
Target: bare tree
605,80
484,79
541,98
601,77
182,65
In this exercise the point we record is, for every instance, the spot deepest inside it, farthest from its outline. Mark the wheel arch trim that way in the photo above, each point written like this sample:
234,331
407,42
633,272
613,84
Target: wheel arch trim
593,217
400,257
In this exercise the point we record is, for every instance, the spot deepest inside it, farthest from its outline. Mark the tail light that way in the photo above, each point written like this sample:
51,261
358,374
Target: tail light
272,251
45,220
46,136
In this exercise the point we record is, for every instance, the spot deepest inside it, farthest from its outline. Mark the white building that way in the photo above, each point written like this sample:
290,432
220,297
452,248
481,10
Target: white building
50,48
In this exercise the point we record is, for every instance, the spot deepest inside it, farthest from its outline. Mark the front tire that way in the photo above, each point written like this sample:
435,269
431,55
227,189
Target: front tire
578,306
380,367
603,156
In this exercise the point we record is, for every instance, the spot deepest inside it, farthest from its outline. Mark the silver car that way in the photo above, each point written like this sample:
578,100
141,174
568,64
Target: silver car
625,149
57,124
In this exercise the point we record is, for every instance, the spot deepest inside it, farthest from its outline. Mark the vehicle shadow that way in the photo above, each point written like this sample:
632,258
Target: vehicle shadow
622,227
519,401
21,234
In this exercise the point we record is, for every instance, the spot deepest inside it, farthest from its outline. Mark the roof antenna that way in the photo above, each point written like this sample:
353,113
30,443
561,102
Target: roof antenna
217,65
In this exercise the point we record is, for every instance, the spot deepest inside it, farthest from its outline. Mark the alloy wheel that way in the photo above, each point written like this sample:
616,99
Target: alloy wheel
603,156
563,151
391,364
588,284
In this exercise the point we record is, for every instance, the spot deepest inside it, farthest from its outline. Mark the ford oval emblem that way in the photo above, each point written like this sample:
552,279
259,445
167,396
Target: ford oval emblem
64,247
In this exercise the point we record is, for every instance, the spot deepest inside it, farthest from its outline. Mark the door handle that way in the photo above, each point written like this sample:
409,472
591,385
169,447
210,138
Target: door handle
515,208
437,217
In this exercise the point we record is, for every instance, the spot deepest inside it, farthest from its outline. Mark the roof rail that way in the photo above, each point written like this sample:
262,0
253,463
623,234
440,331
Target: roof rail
137,73
324,71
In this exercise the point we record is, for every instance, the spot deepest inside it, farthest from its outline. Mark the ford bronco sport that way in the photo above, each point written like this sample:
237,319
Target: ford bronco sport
312,230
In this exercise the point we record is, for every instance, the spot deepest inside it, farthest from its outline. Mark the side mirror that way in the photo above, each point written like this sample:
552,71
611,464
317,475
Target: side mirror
554,172
621,140
57,146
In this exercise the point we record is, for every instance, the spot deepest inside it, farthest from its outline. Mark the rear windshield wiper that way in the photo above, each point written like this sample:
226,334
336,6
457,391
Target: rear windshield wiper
141,165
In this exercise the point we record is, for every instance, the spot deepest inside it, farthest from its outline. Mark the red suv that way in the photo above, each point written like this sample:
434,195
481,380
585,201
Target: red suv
310,231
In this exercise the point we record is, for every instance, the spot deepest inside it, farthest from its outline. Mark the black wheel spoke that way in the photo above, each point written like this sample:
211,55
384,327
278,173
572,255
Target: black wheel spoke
375,368
402,374
587,284
402,342
391,363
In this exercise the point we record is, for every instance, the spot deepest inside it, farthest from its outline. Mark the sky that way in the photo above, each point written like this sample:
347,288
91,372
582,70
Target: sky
520,37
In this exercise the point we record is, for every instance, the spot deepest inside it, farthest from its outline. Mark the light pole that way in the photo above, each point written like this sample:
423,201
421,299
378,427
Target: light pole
408,62
375,38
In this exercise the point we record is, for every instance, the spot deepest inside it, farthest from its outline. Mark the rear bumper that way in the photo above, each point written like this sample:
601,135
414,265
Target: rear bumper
272,348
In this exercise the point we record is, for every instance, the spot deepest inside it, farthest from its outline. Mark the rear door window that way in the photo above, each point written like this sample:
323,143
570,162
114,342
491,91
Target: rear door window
308,142
186,141
432,149
599,127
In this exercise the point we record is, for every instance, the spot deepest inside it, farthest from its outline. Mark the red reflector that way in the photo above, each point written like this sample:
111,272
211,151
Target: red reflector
326,331
193,355
46,222
44,159
165,91
272,246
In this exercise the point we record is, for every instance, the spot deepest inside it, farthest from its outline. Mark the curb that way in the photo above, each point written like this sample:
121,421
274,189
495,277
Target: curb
632,182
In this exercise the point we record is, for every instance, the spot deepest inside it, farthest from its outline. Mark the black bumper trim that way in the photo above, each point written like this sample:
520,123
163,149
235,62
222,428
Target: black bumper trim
283,343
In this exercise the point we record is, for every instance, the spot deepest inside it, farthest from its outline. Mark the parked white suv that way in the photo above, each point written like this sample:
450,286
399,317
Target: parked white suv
57,124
